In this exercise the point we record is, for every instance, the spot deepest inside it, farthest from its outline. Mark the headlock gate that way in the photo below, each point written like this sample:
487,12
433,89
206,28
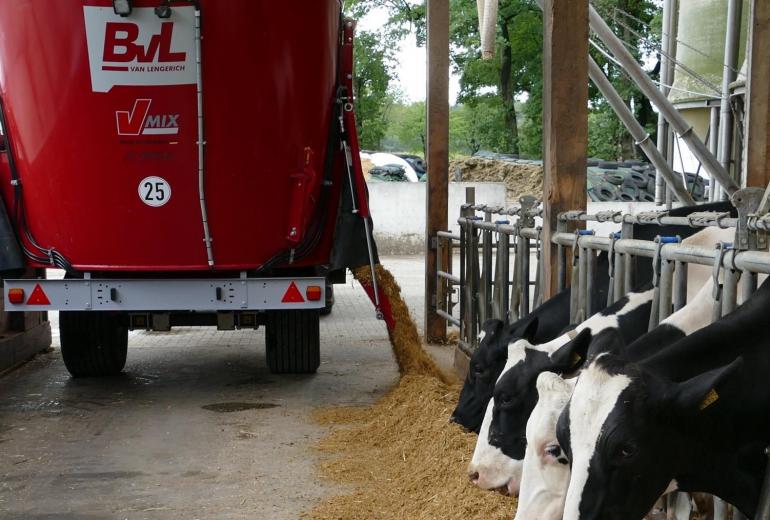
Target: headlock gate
501,268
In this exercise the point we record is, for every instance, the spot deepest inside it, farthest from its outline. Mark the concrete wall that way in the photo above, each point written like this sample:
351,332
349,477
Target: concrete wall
398,210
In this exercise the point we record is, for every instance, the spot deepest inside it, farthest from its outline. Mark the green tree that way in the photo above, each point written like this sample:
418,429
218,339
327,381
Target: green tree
514,73
501,100
373,63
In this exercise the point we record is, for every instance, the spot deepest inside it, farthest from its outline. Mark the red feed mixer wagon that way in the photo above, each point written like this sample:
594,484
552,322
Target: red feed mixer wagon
186,163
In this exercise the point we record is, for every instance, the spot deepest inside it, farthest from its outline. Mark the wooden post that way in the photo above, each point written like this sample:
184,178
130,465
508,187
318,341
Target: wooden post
438,158
758,97
565,120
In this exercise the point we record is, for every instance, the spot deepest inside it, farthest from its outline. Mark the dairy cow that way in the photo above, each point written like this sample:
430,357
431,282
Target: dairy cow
488,360
694,413
498,458
539,472
546,467
486,363
499,454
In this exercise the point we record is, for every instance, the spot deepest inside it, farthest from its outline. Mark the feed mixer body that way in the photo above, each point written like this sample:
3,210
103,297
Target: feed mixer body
103,119
186,162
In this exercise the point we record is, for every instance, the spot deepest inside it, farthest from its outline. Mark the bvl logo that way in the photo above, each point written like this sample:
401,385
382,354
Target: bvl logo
140,122
143,50
120,46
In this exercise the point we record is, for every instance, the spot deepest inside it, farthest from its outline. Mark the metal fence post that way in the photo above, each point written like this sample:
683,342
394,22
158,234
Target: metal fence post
628,269
730,291
502,273
680,285
475,275
575,284
540,270
515,300
525,275
485,301
666,289
620,276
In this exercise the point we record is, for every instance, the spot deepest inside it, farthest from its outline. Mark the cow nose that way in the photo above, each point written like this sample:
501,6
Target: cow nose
474,476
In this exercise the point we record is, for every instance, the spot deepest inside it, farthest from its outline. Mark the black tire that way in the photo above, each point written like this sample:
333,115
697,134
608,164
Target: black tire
624,196
329,300
606,192
608,165
639,179
631,190
651,186
93,344
293,341
646,197
614,178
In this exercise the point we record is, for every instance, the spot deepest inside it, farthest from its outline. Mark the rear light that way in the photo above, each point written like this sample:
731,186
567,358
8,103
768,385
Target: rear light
313,293
16,296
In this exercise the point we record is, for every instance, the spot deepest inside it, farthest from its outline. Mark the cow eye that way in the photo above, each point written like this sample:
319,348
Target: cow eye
554,450
505,399
627,450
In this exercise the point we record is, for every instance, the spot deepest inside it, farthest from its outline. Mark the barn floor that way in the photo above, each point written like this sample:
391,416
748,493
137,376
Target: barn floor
171,439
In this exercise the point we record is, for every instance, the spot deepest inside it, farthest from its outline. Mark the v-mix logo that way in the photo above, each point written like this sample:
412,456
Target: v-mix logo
140,122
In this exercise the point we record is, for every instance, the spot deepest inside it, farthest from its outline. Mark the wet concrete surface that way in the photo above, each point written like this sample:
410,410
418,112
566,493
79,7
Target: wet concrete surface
195,428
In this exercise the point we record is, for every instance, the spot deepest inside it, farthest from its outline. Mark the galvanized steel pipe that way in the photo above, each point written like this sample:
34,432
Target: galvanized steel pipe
678,122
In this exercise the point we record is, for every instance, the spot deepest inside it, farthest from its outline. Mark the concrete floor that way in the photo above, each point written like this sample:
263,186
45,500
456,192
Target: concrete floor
162,441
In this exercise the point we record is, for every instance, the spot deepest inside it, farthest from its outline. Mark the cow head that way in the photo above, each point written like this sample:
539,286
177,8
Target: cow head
626,432
486,364
491,466
546,468
515,394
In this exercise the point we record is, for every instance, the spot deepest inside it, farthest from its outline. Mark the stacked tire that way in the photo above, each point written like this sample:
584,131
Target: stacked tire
631,181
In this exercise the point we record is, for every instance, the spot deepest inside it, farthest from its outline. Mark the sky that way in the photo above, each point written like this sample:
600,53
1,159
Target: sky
411,68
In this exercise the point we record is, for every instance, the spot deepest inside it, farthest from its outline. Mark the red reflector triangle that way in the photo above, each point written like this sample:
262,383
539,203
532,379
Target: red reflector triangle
38,297
293,295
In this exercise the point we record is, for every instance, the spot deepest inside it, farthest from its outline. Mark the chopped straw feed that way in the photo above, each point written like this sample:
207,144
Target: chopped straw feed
405,459
405,339
402,456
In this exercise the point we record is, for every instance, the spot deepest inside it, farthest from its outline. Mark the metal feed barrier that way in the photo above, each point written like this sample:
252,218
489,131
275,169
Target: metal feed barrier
497,247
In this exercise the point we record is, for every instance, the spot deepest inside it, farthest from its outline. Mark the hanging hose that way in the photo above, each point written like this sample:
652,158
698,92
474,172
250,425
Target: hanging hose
42,255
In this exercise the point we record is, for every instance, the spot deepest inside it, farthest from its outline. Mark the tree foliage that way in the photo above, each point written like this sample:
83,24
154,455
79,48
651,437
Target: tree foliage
501,100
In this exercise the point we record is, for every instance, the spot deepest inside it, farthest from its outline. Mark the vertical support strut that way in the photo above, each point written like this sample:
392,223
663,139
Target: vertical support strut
437,194
565,120
732,48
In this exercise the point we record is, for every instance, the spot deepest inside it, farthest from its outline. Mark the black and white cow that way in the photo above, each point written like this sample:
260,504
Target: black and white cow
546,468
545,478
498,458
691,417
487,362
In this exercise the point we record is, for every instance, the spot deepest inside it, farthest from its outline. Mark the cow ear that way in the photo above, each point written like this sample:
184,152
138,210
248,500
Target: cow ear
608,341
528,329
490,327
700,392
572,355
